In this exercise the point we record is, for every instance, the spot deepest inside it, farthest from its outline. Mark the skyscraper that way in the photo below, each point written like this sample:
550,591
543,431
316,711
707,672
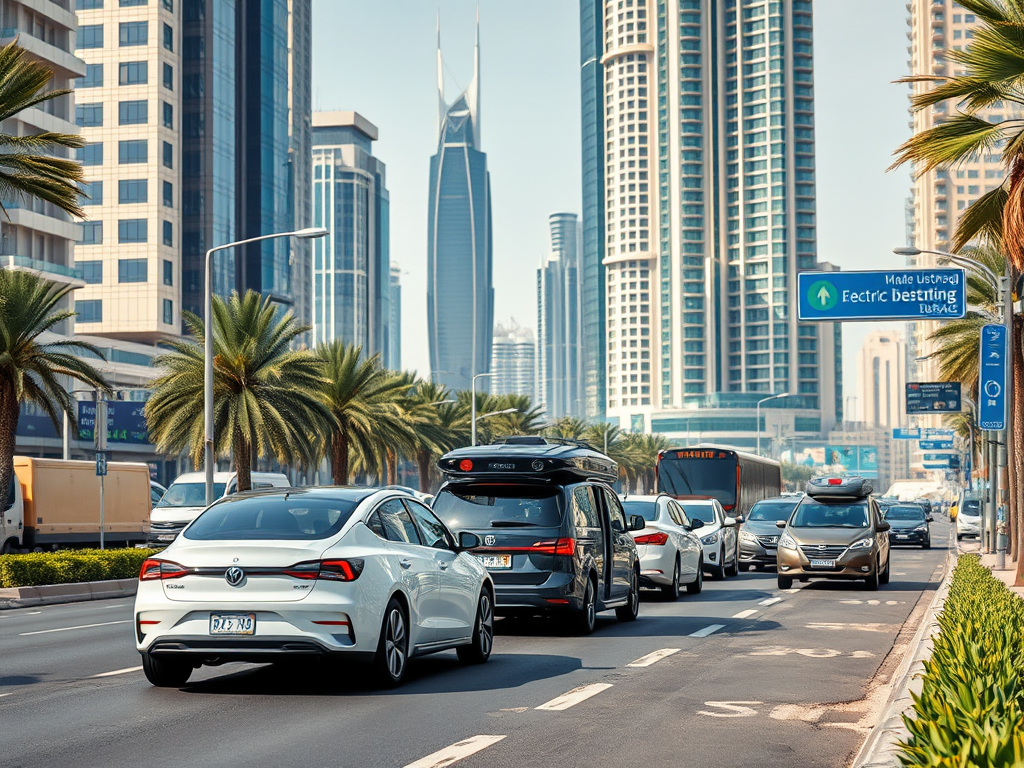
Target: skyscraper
708,139
514,361
394,328
460,296
559,383
351,266
882,379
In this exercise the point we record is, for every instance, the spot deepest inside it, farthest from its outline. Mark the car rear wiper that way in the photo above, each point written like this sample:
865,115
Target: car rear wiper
513,524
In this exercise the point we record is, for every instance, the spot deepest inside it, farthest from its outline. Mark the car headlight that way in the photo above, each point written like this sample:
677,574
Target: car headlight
922,527
748,537
863,543
710,539
787,542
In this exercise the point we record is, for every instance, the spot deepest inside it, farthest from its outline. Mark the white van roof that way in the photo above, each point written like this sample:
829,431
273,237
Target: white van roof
278,479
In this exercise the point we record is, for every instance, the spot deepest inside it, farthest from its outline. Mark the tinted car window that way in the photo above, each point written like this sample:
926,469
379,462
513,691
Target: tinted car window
271,518
814,514
585,507
374,523
189,495
398,525
431,530
648,510
771,510
703,512
497,506
615,514
971,507
904,513
678,515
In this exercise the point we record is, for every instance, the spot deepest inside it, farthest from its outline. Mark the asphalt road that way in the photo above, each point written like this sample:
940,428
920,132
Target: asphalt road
741,675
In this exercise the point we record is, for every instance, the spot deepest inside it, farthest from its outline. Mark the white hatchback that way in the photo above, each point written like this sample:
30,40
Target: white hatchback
343,573
718,536
670,554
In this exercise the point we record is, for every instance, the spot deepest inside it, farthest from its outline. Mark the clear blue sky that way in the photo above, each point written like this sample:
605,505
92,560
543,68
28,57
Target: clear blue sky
378,59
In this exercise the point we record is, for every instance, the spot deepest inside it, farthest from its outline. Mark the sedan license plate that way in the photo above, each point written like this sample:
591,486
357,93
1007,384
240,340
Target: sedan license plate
166,537
232,623
901,535
496,562
823,563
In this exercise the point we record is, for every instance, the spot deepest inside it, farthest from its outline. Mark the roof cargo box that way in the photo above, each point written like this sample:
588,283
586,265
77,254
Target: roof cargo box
848,487
529,458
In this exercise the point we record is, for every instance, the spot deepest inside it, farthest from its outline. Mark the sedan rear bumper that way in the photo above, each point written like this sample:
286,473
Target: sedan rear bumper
254,650
559,592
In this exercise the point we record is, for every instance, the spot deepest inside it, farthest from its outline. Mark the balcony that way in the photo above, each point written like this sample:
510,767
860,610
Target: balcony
71,65
56,273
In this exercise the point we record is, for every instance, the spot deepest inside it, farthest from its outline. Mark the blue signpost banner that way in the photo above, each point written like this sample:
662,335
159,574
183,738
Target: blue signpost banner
907,434
907,294
936,445
992,381
933,397
935,433
126,421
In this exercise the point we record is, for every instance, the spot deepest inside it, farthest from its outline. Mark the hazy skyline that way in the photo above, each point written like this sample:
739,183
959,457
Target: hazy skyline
379,60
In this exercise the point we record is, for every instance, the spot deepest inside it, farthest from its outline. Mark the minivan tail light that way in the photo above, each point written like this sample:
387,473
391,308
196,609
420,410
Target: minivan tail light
330,570
158,570
556,547
653,538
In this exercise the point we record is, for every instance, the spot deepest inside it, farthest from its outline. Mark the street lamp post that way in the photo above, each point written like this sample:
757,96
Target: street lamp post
306,234
764,400
493,413
473,406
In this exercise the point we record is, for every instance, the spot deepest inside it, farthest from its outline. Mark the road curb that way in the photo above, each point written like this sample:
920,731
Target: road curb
27,597
880,749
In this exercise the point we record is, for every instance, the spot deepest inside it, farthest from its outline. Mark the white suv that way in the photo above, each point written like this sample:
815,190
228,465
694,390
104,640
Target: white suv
968,517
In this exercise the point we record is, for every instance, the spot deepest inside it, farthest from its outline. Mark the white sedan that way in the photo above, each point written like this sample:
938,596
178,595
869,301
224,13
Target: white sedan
669,553
718,536
343,573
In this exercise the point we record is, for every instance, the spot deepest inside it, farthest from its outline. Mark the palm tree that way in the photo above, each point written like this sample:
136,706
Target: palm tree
602,436
567,428
441,425
28,168
365,401
30,364
265,394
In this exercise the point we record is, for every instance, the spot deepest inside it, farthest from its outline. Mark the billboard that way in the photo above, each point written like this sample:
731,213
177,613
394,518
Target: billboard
933,397
126,421
856,459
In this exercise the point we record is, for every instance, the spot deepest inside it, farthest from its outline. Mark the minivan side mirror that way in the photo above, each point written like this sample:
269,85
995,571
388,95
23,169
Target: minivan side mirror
695,524
780,523
730,522
469,540
740,519
883,526
637,523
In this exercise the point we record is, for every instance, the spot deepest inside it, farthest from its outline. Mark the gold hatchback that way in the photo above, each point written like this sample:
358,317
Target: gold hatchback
836,532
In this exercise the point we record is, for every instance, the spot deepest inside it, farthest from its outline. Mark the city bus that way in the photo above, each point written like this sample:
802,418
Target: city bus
736,479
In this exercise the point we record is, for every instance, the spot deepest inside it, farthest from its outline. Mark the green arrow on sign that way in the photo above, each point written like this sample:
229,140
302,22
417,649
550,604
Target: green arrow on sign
822,295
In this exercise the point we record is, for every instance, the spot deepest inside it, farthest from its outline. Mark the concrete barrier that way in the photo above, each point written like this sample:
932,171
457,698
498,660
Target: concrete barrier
25,597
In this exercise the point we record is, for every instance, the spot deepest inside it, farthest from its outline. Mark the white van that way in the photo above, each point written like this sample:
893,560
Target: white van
185,498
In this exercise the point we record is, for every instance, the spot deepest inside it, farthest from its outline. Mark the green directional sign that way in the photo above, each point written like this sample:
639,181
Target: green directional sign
822,295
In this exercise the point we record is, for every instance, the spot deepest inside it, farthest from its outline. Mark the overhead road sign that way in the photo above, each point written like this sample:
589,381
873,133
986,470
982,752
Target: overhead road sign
933,397
936,433
914,433
992,381
906,294
935,445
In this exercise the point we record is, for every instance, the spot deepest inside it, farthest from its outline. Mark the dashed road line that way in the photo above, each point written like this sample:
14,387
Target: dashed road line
745,614
68,629
651,658
574,697
710,630
456,752
6,694
771,601
124,671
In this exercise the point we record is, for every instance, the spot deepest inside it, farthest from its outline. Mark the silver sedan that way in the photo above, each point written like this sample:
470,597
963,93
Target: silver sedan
670,554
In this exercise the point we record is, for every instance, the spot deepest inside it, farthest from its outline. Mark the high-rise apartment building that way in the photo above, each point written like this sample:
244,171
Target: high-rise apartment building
882,379
460,296
513,361
300,134
129,111
941,196
707,133
34,235
351,265
393,343
559,381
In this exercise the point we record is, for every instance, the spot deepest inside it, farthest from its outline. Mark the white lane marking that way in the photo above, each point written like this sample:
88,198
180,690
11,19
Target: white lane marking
124,671
874,602
456,752
732,708
33,613
891,602
771,601
574,697
6,694
869,627
745,614
707,630
813,653
851,602
68,629
651,658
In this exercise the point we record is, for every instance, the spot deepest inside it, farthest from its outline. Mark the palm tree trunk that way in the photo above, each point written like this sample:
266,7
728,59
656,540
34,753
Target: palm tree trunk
392,470
1015,444
243,463
339,458
423,461
9,413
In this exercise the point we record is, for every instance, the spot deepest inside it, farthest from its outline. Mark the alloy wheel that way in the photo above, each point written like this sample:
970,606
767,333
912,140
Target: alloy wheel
395,643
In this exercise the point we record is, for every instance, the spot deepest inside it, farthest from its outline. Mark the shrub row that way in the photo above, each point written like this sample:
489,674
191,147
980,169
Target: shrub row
970,713
70,566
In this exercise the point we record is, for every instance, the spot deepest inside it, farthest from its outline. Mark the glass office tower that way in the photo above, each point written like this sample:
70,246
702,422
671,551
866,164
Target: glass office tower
559,381
460,296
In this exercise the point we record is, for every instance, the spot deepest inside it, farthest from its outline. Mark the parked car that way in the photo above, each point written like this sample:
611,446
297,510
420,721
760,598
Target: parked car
759,536
555,537
670,554
836,532
342,573
717,536
186,498
156,492
968,516
909,525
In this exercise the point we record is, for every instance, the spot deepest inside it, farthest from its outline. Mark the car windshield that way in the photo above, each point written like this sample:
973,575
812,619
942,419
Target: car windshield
495,506
971,507
189,494
815,514
697,511
648,510
290,517
908,512
771,510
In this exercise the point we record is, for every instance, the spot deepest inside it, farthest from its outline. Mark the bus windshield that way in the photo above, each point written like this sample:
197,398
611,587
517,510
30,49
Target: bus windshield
714,477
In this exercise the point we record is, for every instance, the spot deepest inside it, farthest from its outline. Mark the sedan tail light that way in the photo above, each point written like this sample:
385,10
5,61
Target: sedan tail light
158,570
556,547
653,538
330,570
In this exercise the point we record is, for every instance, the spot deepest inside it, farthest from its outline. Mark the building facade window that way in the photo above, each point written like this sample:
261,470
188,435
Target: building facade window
132,3
93,77
132,270
168,312
168,269
132,151
92,233
168,155
133,33
133,73
133,112
168,37
89,115
132,191
89,310
168,194
168,77
168,233
92,271
132,231
168,111
90,36
88,5
92,193
91,154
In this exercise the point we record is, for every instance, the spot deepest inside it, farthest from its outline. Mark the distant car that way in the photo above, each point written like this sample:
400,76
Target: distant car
670,554
351,574
156,492
759,536
717,536
909,525
968,516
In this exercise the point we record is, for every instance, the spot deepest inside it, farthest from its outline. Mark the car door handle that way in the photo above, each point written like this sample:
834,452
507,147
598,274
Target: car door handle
405,563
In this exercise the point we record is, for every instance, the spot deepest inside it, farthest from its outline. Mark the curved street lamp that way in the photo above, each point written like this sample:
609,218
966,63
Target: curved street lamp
765,400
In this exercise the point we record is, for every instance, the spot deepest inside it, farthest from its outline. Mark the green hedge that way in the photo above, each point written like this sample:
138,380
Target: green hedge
71,566
970,713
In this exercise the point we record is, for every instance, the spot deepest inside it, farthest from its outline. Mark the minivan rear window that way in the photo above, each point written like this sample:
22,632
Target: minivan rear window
499,506
265,518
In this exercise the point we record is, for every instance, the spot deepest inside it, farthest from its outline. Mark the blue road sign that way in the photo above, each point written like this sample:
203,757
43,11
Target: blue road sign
904,294
101,464
907,434
935,445
933,397
992,381
935,433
